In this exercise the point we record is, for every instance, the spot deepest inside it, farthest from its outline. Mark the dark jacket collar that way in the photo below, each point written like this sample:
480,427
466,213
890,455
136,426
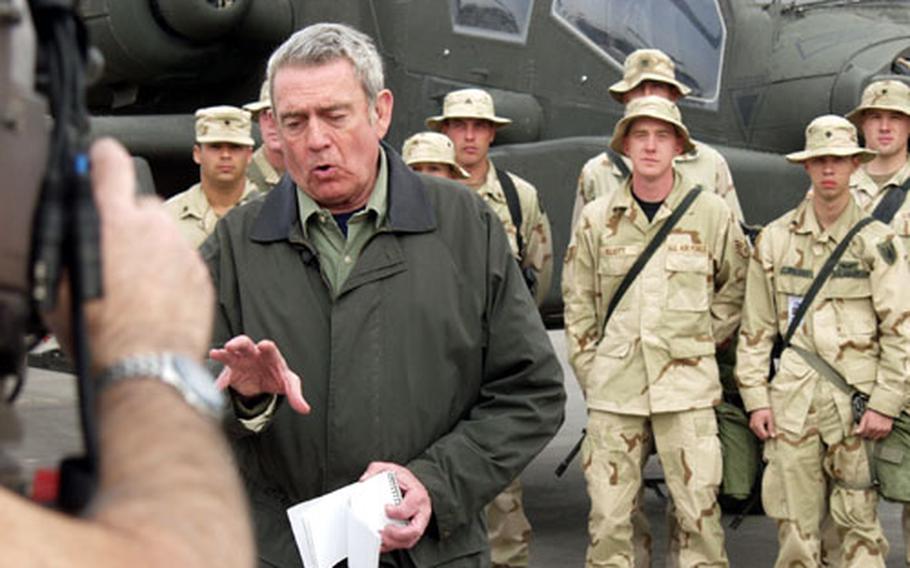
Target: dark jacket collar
409,209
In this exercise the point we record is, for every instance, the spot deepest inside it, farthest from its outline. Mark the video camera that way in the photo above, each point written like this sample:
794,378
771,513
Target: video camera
48,221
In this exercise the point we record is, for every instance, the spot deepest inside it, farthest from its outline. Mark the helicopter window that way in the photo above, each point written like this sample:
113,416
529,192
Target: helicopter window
616,28
497,19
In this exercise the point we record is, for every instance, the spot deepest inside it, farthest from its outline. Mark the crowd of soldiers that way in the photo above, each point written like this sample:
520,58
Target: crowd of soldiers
645,323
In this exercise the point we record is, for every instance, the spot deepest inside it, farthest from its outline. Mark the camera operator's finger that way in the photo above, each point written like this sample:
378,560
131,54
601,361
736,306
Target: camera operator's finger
113,176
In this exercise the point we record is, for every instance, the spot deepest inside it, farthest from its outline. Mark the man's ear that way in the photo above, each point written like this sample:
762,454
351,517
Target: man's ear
383,112
197,154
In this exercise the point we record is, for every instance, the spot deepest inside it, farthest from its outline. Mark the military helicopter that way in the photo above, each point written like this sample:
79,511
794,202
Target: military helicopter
759,70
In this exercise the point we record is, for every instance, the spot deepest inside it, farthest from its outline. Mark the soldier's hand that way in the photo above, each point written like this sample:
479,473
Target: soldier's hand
252,369
761,422
415,508
873,426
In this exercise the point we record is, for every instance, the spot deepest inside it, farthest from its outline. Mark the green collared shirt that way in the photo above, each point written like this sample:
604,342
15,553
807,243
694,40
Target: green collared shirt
337,254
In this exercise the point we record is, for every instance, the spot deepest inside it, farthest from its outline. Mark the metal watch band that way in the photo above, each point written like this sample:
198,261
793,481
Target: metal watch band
189,378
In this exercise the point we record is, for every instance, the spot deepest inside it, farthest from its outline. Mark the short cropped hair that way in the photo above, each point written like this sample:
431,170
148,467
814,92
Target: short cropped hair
319,44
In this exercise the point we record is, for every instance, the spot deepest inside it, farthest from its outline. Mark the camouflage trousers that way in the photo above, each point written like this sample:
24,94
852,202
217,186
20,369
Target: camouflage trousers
801,469
613,456
508,528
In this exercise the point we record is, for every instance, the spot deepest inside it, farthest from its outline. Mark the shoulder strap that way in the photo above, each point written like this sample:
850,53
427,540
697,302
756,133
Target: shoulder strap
891,202
822,276
508,187
619,163
649,251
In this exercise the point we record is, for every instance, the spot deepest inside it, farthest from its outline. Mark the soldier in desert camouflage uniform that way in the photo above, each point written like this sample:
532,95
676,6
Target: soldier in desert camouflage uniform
649,376
469,119
433,154
883,117
651,72
267,165
858,324
223,148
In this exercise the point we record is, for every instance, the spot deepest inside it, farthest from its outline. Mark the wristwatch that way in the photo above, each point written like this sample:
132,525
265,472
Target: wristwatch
191,379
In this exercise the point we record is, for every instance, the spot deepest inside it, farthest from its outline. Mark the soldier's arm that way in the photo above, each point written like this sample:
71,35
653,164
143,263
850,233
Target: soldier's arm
888,279
758,329
725,187
579,290
581,194
731,258
535,229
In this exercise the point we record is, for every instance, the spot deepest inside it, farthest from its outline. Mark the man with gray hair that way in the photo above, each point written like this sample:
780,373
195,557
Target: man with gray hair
395,300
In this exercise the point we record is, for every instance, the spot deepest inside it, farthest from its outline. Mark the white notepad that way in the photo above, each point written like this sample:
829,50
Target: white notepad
345,523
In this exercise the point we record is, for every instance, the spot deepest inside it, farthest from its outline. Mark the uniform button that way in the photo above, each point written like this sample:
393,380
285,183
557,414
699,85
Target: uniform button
322,218
347,259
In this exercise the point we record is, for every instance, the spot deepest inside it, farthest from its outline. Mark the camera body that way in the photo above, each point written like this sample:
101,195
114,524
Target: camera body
24,134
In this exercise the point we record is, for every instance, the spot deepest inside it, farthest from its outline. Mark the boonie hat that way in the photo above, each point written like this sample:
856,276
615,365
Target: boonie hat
223,124
431,147
264,102
467,103
650,107
647,65
831,135
887,94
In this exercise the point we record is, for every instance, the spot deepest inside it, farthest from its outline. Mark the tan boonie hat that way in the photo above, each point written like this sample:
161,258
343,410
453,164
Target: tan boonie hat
467,103
647,65
650,107
264,102
433,148
831,135
888,94
223,124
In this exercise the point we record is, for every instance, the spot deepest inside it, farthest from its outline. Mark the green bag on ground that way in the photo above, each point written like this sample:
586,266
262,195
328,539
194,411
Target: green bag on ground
891,462
741,451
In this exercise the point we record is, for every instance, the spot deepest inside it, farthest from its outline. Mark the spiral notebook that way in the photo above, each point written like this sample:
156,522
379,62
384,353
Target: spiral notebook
345,523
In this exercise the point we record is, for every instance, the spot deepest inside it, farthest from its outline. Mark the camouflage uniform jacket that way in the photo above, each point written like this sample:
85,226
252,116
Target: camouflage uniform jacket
195,217
535,227
868,195
657,354
261,172
858,322
704,165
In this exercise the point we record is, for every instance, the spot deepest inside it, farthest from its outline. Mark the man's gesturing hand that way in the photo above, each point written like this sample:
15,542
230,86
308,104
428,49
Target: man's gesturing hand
258,368
415,508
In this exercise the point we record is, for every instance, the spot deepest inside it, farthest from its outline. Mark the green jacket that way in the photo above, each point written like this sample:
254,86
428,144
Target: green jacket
433,356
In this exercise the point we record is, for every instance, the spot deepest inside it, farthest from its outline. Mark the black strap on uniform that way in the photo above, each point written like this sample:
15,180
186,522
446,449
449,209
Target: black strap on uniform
627,280
619,163
508,188
822,277
891,202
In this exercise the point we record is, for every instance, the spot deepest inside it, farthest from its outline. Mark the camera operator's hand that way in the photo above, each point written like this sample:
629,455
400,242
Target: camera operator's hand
157,292
169,492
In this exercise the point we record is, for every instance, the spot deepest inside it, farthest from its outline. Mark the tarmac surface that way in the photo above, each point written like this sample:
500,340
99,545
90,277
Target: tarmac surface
557,507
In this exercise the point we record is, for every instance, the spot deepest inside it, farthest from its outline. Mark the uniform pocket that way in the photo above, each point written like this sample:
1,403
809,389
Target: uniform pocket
709,469
852,301
616,260
689,279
